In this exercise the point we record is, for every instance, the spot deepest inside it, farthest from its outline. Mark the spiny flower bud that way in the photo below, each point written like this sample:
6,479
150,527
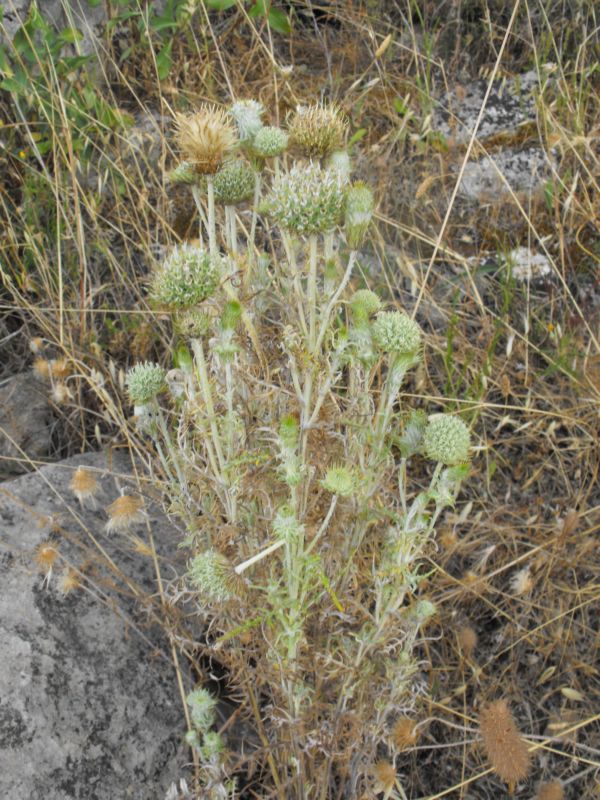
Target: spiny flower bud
269,142
187,277
210,573
447,439
340,164
247,115
231,315
183,173
411,441
286,526
144,382
424,609
363,304
289,431
212,746
234,183
395,332
339,480
317,130
306,200
358,214
193,324
205,138
202,705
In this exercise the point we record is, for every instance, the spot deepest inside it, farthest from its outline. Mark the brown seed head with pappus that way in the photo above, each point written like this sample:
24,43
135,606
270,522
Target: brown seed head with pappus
505,747
404,733
552,790
316,131
124,512
84,484
205,138
385,776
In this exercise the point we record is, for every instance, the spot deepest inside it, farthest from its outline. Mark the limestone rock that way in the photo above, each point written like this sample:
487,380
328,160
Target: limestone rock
26,420
511,104
523,172
89,706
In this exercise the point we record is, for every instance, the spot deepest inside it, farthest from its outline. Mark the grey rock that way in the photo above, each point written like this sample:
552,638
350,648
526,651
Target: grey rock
89,707
26,421
511,103
492,177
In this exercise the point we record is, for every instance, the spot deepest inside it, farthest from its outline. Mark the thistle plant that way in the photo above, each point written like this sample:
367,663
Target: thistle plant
309,485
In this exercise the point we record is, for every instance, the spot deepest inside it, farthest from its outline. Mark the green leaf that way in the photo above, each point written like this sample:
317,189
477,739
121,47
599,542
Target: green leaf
70,35
164,60
279,21
220,5
400,106
357,136
12,85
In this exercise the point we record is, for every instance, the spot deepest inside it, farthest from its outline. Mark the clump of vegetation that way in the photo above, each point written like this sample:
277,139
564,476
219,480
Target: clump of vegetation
291,455
87,213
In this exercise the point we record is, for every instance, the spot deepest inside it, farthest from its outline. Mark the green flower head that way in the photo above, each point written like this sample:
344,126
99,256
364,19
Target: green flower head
234,183
447,439
210,573
183,173
144,382
212,746
340,480
395,332
363,304
188,276
306,200
202,705
193,324
269,142
247,115
358,214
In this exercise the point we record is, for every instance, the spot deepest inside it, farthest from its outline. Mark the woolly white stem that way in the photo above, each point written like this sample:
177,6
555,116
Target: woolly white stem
259,556
312,291
212,229
333,301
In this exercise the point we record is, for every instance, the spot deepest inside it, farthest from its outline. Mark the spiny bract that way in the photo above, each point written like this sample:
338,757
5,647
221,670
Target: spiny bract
187,277
447,439
234,183
144,382
306,200
395,332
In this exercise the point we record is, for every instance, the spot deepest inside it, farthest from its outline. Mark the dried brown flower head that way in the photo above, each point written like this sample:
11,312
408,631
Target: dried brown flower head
551,791
61,393
317,130
68,581
467,640
60,368
45,556
41,367
505,747
205,138
404,733
84,484
385,775
126,511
